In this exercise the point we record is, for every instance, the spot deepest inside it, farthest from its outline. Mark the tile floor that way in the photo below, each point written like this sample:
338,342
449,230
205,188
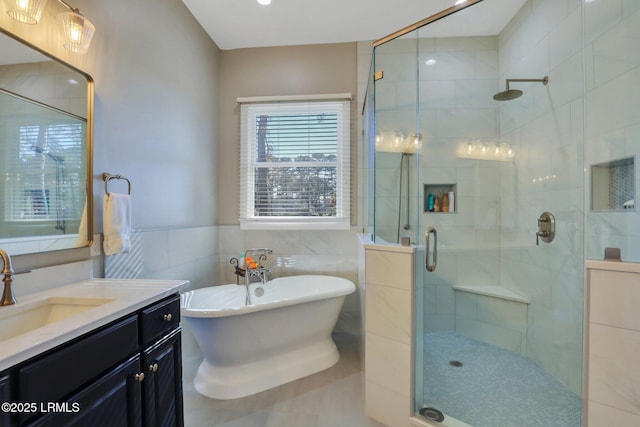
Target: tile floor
331,398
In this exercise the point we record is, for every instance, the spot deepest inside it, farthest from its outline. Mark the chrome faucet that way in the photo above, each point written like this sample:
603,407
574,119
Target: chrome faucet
256,269
7,271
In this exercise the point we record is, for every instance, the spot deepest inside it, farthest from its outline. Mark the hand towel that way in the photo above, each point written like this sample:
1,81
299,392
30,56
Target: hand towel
82,229
116,223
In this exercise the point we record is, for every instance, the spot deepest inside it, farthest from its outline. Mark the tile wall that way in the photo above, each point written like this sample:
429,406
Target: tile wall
389,278
183,253
612,119
545,128
333,253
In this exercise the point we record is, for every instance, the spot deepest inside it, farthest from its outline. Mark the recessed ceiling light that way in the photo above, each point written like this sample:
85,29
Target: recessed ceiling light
430,61
264,2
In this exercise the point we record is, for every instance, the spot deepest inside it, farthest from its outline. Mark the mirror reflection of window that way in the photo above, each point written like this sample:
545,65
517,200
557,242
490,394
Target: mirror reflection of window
45,147
44,169
50,167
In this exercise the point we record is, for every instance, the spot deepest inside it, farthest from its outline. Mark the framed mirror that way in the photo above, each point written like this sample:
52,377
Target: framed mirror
46,127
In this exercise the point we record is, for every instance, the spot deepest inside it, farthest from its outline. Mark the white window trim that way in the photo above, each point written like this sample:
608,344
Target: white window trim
342,220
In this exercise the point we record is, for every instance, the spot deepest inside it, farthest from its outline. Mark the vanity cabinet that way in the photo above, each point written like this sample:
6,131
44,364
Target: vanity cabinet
162,386
162,359
127,373
112,400
5,396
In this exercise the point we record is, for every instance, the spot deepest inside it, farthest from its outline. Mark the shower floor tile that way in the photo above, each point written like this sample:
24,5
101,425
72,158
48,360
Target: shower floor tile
492,387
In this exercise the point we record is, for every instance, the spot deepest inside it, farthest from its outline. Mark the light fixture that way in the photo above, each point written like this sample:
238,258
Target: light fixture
264,2
25,11
489,150
77,30
398,142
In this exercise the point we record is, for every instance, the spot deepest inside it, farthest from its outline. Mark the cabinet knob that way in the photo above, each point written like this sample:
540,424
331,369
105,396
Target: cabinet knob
139,377
154,367
167,317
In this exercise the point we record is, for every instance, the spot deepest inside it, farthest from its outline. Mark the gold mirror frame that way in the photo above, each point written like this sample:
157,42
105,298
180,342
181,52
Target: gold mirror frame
89,150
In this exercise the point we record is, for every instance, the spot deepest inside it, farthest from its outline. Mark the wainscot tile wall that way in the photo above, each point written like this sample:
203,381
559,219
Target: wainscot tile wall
332,253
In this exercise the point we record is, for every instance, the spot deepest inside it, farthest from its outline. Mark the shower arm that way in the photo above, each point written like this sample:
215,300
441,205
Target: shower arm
544,81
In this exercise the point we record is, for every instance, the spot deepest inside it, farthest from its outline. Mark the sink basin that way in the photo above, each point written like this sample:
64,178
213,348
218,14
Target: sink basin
22,318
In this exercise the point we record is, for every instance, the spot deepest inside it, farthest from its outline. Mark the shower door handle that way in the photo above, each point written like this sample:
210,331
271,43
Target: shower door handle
427,236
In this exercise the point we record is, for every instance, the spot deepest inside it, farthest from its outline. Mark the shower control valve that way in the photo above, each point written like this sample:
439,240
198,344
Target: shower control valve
546,228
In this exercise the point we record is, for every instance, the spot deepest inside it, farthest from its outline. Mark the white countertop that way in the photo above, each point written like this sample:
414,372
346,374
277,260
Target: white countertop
127,295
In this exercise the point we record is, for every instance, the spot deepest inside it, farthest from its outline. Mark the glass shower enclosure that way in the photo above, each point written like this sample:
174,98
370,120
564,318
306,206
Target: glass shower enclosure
487,148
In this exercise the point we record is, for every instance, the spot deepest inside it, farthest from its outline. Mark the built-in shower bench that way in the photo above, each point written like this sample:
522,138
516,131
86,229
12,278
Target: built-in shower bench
493,314
493,291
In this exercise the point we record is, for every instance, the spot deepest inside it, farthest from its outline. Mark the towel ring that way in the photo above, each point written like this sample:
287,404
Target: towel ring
108,177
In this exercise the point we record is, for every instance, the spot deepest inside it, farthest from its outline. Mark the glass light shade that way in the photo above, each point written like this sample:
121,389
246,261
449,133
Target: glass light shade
78,31
397,142
25,11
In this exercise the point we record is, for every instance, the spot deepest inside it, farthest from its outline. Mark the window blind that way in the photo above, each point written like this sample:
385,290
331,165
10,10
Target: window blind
295,164
43,184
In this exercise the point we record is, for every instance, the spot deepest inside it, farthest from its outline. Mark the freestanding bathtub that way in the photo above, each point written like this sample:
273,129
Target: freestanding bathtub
285,333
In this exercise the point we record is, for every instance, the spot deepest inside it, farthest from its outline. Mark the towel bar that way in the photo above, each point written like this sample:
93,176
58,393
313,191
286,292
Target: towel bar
108,177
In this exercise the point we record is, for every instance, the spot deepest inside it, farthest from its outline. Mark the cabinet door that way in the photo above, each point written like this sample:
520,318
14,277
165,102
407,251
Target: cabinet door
113,400
162,387
5,396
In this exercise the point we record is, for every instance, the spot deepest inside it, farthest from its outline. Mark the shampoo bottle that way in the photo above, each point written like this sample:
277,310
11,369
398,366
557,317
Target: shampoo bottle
445,202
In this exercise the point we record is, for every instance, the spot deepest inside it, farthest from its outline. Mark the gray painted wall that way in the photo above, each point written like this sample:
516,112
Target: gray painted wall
289,70
156,78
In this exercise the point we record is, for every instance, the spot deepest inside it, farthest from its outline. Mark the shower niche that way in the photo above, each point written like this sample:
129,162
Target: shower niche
613,186
440,198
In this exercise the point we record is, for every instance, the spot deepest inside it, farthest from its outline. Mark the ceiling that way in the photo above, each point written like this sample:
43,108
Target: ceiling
234,24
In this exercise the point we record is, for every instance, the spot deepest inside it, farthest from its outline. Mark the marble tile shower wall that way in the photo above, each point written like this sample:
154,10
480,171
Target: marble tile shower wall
545,127
612,115
299,252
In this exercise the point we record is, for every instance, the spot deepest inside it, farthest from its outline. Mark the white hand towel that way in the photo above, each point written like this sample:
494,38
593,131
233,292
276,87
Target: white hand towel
82,229
116,223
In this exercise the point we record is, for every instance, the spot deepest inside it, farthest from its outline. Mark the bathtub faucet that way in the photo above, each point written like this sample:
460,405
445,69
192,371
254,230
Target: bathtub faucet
253,267
261,273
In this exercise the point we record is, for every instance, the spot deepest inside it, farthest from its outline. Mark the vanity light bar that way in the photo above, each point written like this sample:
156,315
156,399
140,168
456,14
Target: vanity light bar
78,31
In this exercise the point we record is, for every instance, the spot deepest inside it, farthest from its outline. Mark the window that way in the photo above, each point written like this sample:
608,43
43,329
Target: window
295,164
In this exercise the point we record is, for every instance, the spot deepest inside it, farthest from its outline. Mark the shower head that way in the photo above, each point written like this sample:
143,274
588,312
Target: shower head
510,94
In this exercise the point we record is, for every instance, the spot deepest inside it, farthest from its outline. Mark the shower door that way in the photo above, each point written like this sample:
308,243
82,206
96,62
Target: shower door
499,319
